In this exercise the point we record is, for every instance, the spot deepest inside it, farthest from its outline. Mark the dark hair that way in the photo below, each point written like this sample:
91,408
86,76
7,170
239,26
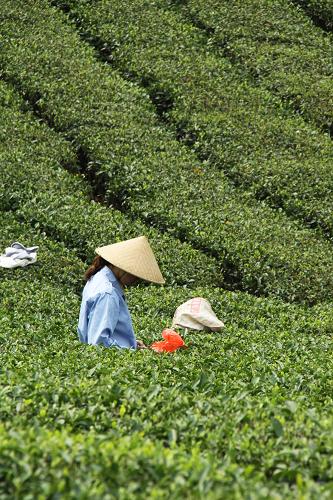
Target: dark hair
97,264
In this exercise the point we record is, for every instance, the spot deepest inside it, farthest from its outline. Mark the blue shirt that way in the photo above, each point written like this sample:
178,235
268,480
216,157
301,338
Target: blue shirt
104,315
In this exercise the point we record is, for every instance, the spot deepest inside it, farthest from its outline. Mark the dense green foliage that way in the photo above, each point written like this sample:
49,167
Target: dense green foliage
279,46
154,176
41,191
94,421
228,120
320,10
44,270
263,376
86,160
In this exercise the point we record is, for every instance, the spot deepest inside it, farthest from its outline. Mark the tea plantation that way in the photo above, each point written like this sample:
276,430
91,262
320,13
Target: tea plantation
205,125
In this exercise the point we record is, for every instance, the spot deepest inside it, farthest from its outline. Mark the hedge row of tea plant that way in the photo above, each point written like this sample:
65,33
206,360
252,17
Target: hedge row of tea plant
40,191
55,263
279,45
245,411
320,10
158,414
80,420
58,202
38,463
233,124
155,177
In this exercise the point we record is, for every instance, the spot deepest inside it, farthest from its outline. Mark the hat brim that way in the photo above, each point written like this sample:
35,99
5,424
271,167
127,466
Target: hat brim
135,257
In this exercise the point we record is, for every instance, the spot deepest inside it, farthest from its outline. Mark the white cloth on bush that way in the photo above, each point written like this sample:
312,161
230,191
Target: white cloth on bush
196,314
16,248
17,255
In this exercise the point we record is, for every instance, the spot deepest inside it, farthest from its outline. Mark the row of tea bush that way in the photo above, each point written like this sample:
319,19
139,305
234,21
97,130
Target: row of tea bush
277,44
231,122
153,176
40,191
79,421
320,10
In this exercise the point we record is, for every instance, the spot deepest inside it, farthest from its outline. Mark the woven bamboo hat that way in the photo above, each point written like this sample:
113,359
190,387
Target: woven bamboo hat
134,256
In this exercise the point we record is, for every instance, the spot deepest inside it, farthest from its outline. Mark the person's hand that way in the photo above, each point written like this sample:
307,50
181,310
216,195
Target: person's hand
141,345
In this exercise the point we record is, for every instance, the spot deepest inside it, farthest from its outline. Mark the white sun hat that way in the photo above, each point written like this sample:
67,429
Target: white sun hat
134,256
196,314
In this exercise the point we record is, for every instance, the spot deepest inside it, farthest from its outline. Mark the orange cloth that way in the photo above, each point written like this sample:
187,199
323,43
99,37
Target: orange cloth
172,342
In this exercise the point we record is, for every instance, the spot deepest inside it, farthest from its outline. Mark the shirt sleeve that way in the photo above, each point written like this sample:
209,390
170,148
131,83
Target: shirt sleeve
103,317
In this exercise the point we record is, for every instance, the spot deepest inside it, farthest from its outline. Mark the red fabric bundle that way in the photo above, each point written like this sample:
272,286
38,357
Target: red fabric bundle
172,342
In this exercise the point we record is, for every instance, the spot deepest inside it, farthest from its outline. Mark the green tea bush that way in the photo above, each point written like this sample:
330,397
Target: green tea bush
320,10
120,465
266,345
155,177
230,122
279,46
42,193
244,410
249,403
39,463
55,263
243,413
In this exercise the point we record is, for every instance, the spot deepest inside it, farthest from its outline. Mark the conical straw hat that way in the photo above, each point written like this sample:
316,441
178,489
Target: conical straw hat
134,256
